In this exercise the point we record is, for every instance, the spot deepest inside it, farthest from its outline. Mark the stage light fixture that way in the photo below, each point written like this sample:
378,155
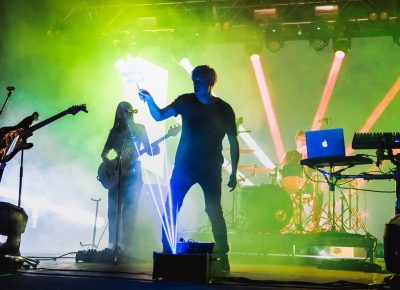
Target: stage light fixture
320,38
326,11
342,44
383,15
265,15
319,43
373,16
274,38
227,25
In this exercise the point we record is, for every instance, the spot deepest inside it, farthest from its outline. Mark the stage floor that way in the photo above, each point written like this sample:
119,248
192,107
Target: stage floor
247,272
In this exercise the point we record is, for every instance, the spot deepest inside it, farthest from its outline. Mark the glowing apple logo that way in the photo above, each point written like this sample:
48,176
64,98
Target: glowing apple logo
324,143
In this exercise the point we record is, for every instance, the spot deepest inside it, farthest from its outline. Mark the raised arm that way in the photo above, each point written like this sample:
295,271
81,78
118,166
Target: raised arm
157,113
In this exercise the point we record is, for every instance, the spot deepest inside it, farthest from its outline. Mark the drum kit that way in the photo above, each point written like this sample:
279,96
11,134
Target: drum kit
288,202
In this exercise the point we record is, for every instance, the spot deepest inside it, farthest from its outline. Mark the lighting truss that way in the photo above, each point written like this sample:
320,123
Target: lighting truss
362,18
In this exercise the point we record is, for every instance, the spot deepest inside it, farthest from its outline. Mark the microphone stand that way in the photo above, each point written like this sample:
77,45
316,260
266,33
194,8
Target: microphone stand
10,89
116,249
21,173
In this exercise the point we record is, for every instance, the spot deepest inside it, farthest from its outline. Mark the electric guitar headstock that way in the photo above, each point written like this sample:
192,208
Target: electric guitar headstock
77,108
173,131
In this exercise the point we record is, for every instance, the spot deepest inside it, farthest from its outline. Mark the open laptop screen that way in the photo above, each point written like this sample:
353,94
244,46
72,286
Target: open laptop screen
325,143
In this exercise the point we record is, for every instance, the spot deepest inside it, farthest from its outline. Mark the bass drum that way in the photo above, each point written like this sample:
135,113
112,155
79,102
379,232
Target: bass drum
267,208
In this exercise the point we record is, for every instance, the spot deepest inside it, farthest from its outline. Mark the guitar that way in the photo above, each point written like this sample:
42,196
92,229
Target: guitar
13,139
107,172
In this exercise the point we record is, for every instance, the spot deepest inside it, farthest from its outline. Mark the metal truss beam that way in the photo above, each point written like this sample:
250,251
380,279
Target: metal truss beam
296,17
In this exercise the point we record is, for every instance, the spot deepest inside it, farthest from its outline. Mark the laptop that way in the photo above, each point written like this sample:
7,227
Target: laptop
325,143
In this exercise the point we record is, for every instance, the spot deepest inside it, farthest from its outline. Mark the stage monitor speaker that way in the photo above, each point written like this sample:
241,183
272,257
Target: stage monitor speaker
391,244
198,268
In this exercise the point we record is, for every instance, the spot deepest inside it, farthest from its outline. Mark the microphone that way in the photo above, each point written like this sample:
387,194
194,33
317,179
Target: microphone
132,111
11,88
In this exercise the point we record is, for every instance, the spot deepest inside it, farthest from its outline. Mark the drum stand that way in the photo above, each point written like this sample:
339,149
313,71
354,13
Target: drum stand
234,209
299,227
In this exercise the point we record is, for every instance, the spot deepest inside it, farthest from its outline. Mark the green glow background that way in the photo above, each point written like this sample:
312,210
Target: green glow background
55,66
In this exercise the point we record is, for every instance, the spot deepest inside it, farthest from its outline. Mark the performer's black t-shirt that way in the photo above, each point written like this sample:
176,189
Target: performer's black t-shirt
203,128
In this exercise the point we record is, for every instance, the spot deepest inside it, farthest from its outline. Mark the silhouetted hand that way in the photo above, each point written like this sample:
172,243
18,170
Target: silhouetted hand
156,150
232,182
144,95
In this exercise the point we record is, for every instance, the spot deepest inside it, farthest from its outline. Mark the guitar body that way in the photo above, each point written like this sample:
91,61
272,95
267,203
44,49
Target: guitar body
21,144
107,173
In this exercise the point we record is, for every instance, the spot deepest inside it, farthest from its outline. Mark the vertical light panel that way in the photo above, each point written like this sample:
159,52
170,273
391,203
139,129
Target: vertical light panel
138,72
329,85
380,108
268,107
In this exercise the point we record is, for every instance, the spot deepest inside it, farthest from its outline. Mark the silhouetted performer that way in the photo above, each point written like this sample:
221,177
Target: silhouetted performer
126,138
206,119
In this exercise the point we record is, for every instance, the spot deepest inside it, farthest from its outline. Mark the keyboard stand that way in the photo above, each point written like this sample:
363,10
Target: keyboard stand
332,177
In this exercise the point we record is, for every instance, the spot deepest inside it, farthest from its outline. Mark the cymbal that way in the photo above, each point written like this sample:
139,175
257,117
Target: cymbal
255,168
243,150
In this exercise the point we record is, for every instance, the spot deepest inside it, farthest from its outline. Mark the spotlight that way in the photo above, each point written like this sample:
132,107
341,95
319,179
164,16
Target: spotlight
340,54
274,38
227,25
373,16
319,43
383,15
320,38
342,44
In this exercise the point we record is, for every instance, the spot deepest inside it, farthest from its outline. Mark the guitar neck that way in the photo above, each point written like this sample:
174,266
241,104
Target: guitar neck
45,122
154,144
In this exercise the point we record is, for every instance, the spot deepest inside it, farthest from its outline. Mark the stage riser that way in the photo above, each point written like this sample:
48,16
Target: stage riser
293,244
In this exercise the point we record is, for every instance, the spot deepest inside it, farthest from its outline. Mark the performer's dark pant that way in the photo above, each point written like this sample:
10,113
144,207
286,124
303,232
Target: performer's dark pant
128,198
210,181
